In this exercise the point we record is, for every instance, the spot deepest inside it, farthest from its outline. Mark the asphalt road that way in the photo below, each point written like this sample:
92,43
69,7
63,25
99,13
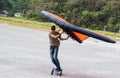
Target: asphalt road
24,53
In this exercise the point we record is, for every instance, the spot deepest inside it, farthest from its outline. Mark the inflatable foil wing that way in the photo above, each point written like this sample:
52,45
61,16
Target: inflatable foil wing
77,33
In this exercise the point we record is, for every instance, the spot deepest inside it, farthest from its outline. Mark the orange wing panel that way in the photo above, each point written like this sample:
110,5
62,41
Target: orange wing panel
80,36
58,18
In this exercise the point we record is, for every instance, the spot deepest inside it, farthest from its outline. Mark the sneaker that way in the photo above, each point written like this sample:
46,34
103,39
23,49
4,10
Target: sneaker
57,69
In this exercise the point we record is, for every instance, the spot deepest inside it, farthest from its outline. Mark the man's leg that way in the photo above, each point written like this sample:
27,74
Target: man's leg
52,48
56,59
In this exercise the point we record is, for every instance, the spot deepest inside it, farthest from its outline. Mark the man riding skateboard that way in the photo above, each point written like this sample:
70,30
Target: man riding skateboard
54,38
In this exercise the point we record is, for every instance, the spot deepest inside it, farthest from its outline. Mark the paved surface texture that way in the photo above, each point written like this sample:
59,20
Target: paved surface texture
24,53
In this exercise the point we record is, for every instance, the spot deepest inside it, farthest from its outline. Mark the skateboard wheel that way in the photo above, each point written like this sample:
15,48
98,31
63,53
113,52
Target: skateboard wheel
60,73
52,71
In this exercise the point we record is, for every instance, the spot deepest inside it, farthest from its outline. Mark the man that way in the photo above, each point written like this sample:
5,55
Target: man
55,38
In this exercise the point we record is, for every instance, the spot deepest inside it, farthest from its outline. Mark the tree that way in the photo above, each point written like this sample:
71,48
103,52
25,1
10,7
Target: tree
112,13
94,14
5,5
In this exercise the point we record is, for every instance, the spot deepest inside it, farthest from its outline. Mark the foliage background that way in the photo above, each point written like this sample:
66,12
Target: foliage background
92,14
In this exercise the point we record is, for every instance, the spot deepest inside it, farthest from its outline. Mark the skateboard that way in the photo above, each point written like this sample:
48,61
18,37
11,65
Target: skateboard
56,72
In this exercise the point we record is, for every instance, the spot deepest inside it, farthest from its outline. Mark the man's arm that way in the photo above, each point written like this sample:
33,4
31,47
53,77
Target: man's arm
55,36
64,38
61,32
